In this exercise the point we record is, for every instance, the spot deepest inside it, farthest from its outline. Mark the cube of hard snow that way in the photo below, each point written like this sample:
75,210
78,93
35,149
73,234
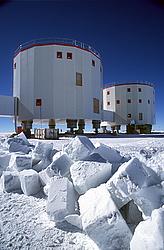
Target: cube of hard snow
18,147
129,178
148,199
61,198
102,221
95,157
4,162
62,165
149,234
46,174
75,220
79,148
41,165
88,174
20,162
42,150
11,182
30,182
110,154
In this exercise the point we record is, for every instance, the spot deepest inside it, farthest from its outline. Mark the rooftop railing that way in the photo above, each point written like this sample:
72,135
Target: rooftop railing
106,85
51,41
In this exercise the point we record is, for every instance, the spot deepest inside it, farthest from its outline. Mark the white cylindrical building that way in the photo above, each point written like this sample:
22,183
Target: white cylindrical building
58,79
132,104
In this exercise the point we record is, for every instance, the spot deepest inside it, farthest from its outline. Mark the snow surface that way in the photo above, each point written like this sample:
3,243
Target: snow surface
24,223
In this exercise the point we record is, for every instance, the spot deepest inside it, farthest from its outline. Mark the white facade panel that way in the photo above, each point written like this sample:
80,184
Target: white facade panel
131,103
39,74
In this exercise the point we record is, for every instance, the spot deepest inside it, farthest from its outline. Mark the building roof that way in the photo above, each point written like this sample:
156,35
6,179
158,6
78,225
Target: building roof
108,85
56,41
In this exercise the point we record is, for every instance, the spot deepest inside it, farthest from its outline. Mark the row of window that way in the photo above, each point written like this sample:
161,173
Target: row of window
59,54
140,116
128,90
129,101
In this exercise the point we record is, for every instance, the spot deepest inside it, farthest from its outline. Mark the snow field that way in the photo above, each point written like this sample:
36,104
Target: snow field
86,184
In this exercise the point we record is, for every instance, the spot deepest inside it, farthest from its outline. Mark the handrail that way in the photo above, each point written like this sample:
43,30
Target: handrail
106,85
52,41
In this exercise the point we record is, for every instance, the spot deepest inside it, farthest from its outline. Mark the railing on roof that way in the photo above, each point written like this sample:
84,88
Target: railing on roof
106,85
54,41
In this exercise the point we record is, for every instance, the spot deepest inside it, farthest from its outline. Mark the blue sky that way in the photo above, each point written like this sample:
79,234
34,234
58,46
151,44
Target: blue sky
129,34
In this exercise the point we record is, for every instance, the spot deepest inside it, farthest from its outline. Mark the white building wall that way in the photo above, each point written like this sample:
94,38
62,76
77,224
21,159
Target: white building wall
123,108
40,74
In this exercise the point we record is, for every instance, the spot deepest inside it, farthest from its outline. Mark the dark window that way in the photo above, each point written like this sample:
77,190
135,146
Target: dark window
118,101
140,100
129,100
129,115
139,90
100,69
38,102
148,101
108,92
140,116
69,55
93,63
96,105
108,103
128,89
79,80
59,54
15,65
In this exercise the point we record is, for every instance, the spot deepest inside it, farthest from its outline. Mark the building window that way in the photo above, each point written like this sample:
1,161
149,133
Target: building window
129,115
15,65
96,105
93,63
79,80
100,69
128,89
140,100
69,55
108,103
140,116
117,101
148,101
129,100
59,54
108,92
139,90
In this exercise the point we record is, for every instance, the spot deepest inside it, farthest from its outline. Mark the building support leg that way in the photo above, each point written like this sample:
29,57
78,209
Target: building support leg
71,124
27,126
51,123
96,125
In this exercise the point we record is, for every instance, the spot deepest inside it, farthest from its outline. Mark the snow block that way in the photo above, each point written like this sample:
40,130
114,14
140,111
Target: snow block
11,182
149,234
4,162
61,198
87,174
131,177
109,154
46,174
102,221
41,165
42,150
79,148
148,199
30,182
62,165
75,220
18,143
95,157
20,162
